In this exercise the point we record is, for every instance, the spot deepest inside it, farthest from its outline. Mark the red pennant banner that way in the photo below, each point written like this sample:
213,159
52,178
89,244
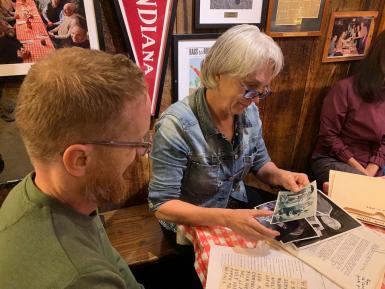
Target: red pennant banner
148,24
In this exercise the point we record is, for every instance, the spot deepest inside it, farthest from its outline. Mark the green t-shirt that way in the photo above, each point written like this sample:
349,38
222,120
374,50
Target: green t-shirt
46,244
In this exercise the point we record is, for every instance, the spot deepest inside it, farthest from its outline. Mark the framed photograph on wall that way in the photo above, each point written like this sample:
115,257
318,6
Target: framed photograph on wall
188,52
292,18
28,34
226,13
349,35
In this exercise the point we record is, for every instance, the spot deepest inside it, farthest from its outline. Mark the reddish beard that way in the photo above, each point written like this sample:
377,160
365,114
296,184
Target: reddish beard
105,185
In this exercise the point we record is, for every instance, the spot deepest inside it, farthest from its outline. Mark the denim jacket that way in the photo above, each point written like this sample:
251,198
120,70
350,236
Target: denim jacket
193,162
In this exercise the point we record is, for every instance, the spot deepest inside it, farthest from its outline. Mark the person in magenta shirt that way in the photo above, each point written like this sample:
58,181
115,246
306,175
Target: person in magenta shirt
352,125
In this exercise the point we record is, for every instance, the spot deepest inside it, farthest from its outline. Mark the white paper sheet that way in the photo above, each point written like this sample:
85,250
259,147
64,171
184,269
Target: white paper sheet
262,259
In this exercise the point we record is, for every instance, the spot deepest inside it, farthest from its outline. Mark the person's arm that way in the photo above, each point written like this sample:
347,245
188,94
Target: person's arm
274,176
241,221
44,14
169,165
333,115
377,159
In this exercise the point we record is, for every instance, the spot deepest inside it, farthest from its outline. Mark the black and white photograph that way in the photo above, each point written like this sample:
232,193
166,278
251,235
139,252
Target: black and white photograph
289,231
231,4
333,221
226,13
295,206
30,29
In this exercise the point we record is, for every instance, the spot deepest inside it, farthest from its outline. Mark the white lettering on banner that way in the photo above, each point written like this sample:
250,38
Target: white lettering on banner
147,17
145,2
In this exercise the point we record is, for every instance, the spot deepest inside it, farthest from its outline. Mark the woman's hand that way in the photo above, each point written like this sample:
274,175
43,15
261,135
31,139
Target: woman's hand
353,163
372,169
292,181
244,223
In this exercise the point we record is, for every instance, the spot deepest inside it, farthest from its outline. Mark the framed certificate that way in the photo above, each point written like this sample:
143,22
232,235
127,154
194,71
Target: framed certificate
292,18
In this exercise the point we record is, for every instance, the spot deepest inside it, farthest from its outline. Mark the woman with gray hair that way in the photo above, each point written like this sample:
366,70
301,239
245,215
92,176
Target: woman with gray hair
205,144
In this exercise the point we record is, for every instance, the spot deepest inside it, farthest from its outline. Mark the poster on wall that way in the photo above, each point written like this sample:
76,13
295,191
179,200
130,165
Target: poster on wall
188,52
30,30
147,27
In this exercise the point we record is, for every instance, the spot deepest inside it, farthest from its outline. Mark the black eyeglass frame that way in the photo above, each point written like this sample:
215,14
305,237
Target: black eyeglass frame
253,93
146,145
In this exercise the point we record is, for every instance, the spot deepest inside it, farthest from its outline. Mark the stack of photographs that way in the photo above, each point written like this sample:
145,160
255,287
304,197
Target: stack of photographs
306,218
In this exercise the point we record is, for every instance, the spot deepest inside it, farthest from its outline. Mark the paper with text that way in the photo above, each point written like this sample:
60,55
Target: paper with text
263,259
240,278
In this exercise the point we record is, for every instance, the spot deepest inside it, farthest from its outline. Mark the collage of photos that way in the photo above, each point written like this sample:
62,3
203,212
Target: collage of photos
328,221
30,29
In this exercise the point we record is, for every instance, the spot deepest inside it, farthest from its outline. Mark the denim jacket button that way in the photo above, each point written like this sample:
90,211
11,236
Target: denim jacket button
231,178
236,156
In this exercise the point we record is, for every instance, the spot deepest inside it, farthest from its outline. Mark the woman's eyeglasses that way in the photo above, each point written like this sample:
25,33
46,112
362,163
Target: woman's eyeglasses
251,93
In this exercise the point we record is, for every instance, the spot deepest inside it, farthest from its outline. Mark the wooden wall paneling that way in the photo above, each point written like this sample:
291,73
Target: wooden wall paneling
184,17
282,109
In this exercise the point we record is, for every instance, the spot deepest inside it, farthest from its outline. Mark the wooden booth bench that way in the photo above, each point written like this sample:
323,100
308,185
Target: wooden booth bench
135,233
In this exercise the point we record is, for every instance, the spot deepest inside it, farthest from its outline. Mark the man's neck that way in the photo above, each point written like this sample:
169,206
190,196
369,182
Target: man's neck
63,190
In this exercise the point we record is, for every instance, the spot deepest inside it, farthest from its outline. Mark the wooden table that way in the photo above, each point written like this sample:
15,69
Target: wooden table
136,235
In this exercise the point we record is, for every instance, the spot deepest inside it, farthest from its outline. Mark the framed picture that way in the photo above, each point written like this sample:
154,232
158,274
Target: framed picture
225,13
349,35
29,33
292,18
147,31
188,51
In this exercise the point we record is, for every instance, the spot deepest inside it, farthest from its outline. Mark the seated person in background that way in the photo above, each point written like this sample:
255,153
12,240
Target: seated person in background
41,4
9,46
352,126
205,144
82,130
63,31
79,36
8,5
7,15
51,13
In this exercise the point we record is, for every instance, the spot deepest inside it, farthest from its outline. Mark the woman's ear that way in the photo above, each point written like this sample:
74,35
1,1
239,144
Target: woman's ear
76,158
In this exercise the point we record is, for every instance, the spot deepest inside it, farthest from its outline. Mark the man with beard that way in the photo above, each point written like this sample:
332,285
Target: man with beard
82,130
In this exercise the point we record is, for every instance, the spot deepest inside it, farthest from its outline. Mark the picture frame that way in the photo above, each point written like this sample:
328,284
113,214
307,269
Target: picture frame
349,35
147,31
37,43
292,18
224,13
188,52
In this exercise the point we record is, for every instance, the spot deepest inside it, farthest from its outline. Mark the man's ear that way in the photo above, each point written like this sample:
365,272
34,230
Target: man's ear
76,158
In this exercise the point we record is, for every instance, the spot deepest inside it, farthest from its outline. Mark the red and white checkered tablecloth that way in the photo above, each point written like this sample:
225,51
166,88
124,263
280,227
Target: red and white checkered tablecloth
37,49
24,33
203,238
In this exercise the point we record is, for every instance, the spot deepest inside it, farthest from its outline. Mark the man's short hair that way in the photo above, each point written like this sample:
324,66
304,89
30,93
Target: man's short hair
75,95
240,52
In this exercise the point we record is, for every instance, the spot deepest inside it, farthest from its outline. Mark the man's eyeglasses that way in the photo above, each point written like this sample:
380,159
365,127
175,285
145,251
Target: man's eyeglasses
251,93
142,147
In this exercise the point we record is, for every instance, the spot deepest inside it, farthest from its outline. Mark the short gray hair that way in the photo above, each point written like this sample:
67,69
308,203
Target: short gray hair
239,52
